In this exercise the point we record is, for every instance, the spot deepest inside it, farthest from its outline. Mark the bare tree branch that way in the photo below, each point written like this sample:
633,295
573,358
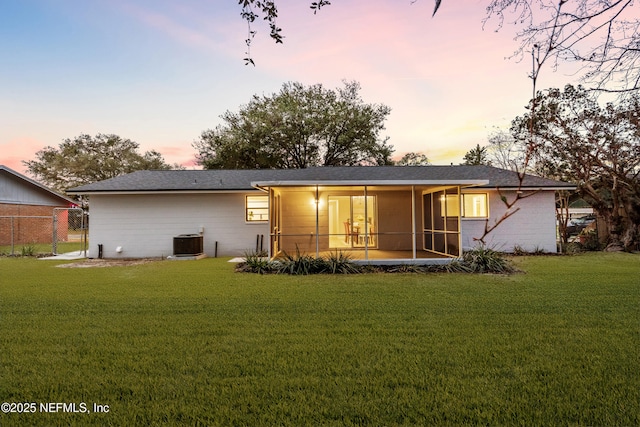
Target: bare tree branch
601,35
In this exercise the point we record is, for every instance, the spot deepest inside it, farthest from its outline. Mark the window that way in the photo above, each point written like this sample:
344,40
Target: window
257,209
352,221
450,207
474,205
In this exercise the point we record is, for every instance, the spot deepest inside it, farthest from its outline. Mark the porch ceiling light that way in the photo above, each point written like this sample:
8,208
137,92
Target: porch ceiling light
316,203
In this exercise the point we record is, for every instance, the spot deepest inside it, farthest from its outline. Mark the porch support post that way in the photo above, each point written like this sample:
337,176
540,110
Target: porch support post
270,229
460,221
413,222
366,226
317,223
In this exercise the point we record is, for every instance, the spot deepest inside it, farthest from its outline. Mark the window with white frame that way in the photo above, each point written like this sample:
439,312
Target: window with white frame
257,209
450,205
475,205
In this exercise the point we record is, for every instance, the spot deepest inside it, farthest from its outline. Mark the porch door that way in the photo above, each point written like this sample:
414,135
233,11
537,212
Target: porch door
441,222
352,222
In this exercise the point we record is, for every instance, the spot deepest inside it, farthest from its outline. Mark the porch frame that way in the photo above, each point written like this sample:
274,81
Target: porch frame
323,189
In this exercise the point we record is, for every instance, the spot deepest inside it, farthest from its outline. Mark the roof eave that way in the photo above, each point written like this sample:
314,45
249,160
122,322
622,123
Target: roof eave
347,183
173,191
532,188
37,184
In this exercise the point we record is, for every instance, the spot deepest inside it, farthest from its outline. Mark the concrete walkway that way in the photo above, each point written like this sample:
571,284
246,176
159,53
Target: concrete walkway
68,256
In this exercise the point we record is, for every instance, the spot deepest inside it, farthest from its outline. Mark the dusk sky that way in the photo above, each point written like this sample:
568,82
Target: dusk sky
159,72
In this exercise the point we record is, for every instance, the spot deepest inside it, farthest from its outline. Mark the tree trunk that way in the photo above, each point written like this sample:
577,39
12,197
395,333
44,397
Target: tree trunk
629,238
614,224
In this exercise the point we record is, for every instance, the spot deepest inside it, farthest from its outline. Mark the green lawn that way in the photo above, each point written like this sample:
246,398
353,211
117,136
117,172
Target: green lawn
193,343
40,248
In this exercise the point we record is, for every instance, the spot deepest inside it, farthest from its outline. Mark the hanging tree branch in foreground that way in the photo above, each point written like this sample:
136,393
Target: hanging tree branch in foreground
602,35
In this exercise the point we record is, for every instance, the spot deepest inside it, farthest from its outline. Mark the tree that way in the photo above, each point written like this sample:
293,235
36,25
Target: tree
602,35
414,159
297,128
267,9
504,151
597,147
477,156
85,159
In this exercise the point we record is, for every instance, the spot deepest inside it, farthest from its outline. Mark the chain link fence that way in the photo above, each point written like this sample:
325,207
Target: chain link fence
65,230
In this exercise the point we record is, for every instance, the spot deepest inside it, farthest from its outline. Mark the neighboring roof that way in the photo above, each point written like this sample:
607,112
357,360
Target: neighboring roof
32,185
242,180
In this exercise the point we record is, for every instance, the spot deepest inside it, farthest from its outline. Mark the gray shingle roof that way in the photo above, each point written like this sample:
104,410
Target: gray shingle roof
234,180
35,184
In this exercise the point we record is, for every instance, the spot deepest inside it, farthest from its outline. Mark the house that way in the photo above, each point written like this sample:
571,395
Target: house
27,210
377,214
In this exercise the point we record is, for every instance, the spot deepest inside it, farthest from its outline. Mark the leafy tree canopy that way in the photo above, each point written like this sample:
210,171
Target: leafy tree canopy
595,146
477,156
414,159
298,127
85,159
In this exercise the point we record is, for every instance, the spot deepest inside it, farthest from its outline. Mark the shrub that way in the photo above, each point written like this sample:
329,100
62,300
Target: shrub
572,248
484,260
339,262
589,240
256,262
28,250
520,251
300,264
407,268
455,266
478,260
538,251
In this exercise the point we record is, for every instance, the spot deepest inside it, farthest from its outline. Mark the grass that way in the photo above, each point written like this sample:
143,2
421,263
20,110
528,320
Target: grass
40,248
192,343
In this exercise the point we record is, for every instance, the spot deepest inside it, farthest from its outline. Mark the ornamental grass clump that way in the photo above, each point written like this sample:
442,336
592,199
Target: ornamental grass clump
300,264
28,250
485,260
256,262
339,262
478,260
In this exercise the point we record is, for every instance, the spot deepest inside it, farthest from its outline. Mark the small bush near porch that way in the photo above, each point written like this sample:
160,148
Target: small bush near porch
193,343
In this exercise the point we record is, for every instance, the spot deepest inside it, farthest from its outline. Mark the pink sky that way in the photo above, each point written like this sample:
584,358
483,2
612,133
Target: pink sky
160,73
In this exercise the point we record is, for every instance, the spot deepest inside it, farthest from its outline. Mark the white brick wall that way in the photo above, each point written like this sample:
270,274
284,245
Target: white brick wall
532,227
144,225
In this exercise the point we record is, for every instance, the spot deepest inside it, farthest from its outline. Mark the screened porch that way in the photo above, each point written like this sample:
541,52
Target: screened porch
373,224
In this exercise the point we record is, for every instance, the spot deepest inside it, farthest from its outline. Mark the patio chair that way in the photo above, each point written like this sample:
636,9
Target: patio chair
349,235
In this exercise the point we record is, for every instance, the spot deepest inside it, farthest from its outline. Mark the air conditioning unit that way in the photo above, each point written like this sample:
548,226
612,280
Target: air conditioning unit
187,245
